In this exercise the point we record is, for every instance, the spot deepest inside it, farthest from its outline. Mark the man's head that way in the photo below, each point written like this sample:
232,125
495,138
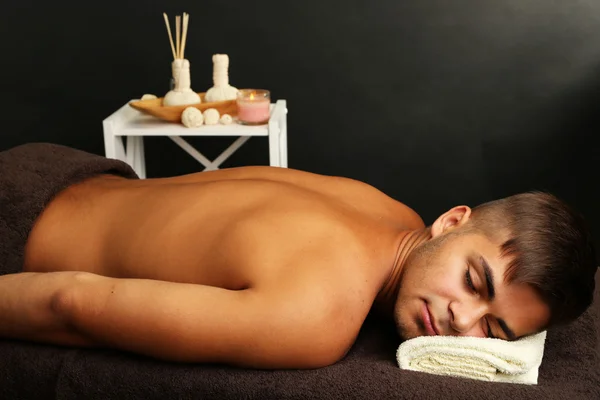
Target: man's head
507,268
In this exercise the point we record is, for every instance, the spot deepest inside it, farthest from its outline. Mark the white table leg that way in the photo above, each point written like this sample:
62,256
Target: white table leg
130,152
113,142
141,158
135,155
283,134
274,144
113,147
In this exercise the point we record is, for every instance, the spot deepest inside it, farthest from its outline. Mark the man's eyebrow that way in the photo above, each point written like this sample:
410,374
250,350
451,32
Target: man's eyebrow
489,281
489,278
509,333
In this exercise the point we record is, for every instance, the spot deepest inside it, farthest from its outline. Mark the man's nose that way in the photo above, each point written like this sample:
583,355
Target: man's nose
465,316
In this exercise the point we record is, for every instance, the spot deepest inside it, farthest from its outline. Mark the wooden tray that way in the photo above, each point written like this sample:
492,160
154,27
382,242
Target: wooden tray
155,108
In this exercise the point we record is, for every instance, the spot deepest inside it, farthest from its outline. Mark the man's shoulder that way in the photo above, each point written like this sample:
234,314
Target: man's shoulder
336,274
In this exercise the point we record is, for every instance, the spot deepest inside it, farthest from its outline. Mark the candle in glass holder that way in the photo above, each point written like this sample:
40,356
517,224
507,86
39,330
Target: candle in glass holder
253,106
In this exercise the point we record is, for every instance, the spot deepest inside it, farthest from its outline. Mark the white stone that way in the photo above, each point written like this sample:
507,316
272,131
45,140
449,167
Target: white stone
191,117
226,119
211,116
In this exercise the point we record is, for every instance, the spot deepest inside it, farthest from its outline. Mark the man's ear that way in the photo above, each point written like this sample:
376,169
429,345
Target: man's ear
453,218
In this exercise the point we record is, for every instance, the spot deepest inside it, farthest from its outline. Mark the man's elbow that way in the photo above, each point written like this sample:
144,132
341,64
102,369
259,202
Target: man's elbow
305,355
324,360
314,355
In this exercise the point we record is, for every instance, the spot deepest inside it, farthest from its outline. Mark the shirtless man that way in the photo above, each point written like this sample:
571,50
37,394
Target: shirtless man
277,268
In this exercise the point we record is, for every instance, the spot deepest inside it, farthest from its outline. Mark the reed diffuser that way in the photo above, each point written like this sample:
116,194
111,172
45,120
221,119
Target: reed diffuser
182,93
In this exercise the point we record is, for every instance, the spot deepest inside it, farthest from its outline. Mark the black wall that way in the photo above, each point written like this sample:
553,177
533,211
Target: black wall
435,102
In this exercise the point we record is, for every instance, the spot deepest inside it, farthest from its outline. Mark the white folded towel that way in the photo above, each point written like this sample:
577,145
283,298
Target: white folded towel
485,359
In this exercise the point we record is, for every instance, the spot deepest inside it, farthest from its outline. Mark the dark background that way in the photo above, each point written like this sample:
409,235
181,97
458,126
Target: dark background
435,102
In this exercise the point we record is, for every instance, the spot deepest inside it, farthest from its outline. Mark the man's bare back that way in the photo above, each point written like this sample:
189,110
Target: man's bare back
253,266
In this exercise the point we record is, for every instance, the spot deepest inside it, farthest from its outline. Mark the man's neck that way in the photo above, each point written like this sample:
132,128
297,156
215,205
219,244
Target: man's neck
386,298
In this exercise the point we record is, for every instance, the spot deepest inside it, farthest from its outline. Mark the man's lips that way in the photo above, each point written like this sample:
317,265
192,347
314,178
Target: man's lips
428,320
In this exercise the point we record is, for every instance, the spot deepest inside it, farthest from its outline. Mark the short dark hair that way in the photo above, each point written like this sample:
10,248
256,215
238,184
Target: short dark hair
549,246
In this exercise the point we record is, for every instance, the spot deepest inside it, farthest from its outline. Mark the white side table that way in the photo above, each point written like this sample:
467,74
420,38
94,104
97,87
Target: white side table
134,125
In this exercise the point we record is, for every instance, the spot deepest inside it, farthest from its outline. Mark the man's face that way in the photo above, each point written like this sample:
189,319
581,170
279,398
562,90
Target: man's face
454,285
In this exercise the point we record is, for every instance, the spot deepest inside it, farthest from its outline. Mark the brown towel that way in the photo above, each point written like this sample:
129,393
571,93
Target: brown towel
30,176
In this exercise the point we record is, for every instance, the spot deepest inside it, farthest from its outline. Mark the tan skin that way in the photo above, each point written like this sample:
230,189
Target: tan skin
256,267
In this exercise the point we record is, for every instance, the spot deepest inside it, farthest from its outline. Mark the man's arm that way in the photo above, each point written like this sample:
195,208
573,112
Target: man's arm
171,321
